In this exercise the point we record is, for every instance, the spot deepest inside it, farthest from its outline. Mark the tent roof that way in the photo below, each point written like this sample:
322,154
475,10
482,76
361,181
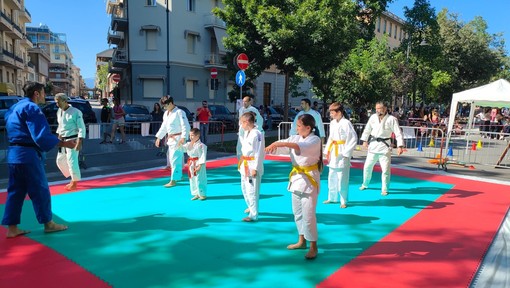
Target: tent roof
495,94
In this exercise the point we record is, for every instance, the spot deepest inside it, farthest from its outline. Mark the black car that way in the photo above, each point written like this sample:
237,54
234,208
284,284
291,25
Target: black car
222,114
189,114
5,103
51,108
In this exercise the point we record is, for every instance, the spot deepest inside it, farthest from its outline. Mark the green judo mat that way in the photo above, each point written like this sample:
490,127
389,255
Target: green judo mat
144,235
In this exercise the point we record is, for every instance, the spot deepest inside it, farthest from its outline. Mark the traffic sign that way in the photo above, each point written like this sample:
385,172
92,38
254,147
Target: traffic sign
242,61
240,78
116,78
214,73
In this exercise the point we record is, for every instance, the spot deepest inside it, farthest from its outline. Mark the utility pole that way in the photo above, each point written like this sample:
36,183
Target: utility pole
167,48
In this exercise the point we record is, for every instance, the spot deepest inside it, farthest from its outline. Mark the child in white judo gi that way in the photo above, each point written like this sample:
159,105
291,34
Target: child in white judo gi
305,151
197,152
341,142
251,166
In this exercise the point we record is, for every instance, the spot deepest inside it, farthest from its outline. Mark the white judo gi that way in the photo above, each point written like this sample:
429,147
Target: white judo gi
252,158
197,153
341,142
70,127
259,122
378,134
175,126
304,182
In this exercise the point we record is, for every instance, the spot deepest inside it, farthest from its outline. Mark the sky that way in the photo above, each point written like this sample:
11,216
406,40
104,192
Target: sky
86,23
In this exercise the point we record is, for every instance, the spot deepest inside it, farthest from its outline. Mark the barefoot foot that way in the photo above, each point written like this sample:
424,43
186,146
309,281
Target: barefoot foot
312,254
51,227
15,232
297,246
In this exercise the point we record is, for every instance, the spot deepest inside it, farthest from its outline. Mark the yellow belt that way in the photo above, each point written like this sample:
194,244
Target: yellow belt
336,143
306,171
244,160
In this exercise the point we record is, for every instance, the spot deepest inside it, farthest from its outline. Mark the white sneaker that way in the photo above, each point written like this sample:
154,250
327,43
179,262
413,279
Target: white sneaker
362,187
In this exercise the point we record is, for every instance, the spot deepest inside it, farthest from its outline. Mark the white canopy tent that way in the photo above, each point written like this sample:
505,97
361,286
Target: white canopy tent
495,94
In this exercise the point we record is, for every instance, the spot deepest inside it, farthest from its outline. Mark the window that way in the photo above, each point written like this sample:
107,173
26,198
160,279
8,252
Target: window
384,27
192,43
267,93
150,3
391,28
395,35
57,57
379,24
191,5
152,88
150,40
190,88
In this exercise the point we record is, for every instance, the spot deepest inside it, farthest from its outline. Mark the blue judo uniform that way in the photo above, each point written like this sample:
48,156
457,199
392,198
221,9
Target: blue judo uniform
29,137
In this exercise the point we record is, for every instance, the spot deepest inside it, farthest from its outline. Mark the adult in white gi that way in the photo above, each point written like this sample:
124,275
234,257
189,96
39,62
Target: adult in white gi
305,151
176,128
341,142
251,166
70,128
259,121
377,138
197,152
307,109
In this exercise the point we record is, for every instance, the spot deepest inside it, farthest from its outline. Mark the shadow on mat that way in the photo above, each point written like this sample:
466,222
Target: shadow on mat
407,203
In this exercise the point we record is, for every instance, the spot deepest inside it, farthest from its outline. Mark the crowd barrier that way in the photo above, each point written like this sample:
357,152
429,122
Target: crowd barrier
138,136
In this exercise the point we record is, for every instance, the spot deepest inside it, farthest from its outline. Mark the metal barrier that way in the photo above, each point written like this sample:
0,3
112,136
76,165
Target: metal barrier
478,147
138,136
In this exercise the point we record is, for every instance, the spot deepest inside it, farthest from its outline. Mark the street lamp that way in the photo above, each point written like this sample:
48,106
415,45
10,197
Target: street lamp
408,52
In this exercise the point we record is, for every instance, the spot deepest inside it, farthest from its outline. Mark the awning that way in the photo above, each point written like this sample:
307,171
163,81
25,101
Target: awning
220,34
7,89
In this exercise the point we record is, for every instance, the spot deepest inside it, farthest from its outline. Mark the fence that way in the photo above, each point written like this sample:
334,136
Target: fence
138,136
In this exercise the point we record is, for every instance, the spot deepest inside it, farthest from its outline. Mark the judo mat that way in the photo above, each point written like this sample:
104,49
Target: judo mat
129,231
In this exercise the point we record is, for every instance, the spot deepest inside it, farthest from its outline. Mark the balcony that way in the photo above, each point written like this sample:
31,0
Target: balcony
7,59
15,3
211,21
115,37
119,19
214,61
5,22
16,32
120,58
26,42
19,62
114,70
25,16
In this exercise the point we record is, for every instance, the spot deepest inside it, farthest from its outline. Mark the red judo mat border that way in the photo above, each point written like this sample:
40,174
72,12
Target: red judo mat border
430,250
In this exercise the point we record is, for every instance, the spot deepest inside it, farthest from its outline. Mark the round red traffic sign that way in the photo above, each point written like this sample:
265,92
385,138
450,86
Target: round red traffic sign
116,78
214,73
242,61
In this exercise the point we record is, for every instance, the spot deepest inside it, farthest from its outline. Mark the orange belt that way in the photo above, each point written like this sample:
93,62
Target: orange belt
336,143
191,160
244,160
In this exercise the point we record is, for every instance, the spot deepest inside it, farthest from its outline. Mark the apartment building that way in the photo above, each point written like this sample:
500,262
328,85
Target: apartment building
60,70
169,47
390,26
15,66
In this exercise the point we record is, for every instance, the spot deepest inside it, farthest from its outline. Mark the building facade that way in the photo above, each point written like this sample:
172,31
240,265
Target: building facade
15,66
60,70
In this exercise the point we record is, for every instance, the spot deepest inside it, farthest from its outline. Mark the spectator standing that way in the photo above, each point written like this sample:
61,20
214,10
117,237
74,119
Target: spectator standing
106,118
203,115
175,128
197,152
307,109
118,120
157,117
341,143
29,136
377,138
70,128
305,150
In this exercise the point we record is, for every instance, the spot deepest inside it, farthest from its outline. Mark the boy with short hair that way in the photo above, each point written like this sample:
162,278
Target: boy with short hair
197,152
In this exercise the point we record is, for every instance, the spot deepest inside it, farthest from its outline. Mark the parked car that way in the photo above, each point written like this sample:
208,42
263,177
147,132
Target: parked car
189,114
5,103
135,114
276,118
291,113
51,108
221,113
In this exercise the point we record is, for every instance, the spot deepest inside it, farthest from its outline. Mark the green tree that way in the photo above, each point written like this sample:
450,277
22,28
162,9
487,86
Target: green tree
311,37
102,77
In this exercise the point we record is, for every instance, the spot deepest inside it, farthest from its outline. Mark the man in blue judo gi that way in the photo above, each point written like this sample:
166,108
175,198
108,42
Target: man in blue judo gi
29,137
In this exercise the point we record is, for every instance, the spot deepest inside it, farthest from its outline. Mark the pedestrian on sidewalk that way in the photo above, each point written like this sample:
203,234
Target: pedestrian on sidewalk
203,115
106,118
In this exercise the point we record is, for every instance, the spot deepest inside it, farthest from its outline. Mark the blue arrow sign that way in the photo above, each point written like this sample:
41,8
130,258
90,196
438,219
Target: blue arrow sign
240,78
